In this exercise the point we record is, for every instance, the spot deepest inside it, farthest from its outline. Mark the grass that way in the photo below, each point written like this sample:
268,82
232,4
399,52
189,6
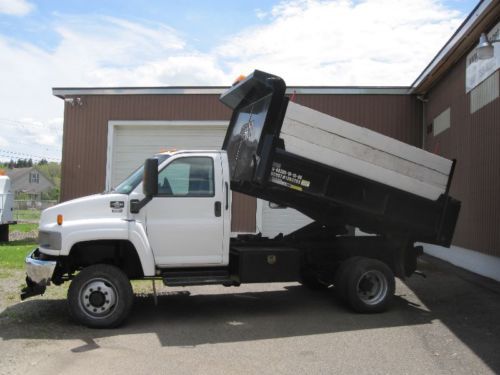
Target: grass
23,227
31,215
12,254
12,266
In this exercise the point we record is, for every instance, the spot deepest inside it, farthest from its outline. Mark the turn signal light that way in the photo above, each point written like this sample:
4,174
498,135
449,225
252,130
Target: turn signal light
59,219
239,79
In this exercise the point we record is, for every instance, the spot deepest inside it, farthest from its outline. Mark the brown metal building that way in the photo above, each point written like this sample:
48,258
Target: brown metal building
86,125
439,112
390,111
461,120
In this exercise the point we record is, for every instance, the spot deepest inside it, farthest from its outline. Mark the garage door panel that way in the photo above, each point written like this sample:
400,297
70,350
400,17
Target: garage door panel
132,144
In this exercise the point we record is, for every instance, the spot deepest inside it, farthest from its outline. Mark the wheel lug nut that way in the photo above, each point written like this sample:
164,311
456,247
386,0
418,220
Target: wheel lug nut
95,310
98,288
107,301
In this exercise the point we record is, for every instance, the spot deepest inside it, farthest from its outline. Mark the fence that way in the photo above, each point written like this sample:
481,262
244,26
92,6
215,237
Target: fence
29,210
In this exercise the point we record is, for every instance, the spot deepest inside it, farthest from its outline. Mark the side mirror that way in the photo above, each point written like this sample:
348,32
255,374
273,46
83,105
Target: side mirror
150,179
149,185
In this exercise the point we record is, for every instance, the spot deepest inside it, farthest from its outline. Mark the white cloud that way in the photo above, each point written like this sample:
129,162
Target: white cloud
15,7
101,51
3,142
261,14
307,42
28,137
312,42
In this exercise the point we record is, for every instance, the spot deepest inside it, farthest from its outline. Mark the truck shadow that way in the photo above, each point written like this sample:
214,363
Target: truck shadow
467,305
181,319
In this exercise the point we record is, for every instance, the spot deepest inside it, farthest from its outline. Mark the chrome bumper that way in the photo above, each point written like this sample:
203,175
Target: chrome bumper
38,274
39,271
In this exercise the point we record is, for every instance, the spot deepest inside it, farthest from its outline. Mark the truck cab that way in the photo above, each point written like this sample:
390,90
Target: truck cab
186,222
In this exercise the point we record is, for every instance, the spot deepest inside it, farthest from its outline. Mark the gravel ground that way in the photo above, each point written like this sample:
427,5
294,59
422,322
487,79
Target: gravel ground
16,236
444,324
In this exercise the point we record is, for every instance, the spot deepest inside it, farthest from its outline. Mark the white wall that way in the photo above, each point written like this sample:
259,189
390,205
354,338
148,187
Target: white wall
482,264
279,220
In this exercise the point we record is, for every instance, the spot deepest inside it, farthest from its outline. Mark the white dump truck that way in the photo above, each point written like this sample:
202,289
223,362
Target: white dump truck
6,207
170,220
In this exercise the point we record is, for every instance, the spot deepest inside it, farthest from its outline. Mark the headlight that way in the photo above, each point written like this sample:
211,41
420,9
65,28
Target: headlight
49,240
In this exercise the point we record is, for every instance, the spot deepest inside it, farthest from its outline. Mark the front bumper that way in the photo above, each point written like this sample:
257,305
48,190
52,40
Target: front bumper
38,274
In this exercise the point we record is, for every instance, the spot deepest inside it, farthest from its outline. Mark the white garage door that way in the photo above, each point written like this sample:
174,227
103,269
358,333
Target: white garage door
281,220
132,143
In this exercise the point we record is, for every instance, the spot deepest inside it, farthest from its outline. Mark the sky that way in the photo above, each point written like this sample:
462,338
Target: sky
100,43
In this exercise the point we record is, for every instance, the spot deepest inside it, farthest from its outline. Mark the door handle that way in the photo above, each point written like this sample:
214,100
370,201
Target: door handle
227,195
218,209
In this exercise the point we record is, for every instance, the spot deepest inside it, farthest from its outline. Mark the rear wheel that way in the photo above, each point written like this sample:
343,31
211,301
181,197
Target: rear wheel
100,296
370,285
341,277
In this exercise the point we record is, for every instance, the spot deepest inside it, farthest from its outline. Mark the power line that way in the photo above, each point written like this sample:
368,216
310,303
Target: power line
22,155
26,126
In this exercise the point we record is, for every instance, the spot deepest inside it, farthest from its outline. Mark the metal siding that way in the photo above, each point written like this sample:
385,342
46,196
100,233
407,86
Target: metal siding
86,127
243,213
398,116
86,130
474,140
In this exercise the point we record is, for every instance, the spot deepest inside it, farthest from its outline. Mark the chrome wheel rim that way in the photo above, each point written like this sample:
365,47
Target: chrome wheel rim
98,298
372,287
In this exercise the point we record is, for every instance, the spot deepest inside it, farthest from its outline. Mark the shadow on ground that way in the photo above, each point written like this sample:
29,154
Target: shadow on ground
468,306
181,319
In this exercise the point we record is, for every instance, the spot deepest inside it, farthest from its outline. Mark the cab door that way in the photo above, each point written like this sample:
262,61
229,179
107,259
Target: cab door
185,222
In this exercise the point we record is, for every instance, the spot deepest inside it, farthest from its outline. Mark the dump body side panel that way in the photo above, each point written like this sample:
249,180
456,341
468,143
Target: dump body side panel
325,168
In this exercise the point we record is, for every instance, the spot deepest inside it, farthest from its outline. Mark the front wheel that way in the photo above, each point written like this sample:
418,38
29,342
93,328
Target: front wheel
100,296
370,285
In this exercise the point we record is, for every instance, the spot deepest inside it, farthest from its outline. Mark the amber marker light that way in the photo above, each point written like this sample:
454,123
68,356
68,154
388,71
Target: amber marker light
240,78
59,219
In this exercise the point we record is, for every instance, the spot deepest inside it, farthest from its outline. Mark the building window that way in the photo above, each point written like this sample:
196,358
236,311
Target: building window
34,177
484,93
441,122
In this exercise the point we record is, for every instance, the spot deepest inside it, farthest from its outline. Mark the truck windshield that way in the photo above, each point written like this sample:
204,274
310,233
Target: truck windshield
135,178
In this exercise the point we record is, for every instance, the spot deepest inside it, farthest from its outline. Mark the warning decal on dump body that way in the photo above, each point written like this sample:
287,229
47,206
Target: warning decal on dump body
287,178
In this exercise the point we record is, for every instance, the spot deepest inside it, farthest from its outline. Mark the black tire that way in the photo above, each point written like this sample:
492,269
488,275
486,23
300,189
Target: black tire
370,285
100,296
310,280
341,277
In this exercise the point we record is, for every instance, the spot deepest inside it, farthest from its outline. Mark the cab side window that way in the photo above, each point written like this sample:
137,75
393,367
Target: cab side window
187,177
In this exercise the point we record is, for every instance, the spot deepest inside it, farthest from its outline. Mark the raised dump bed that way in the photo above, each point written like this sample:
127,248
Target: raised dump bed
334,171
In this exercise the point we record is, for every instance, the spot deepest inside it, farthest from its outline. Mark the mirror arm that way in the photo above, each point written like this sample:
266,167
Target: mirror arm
136,205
